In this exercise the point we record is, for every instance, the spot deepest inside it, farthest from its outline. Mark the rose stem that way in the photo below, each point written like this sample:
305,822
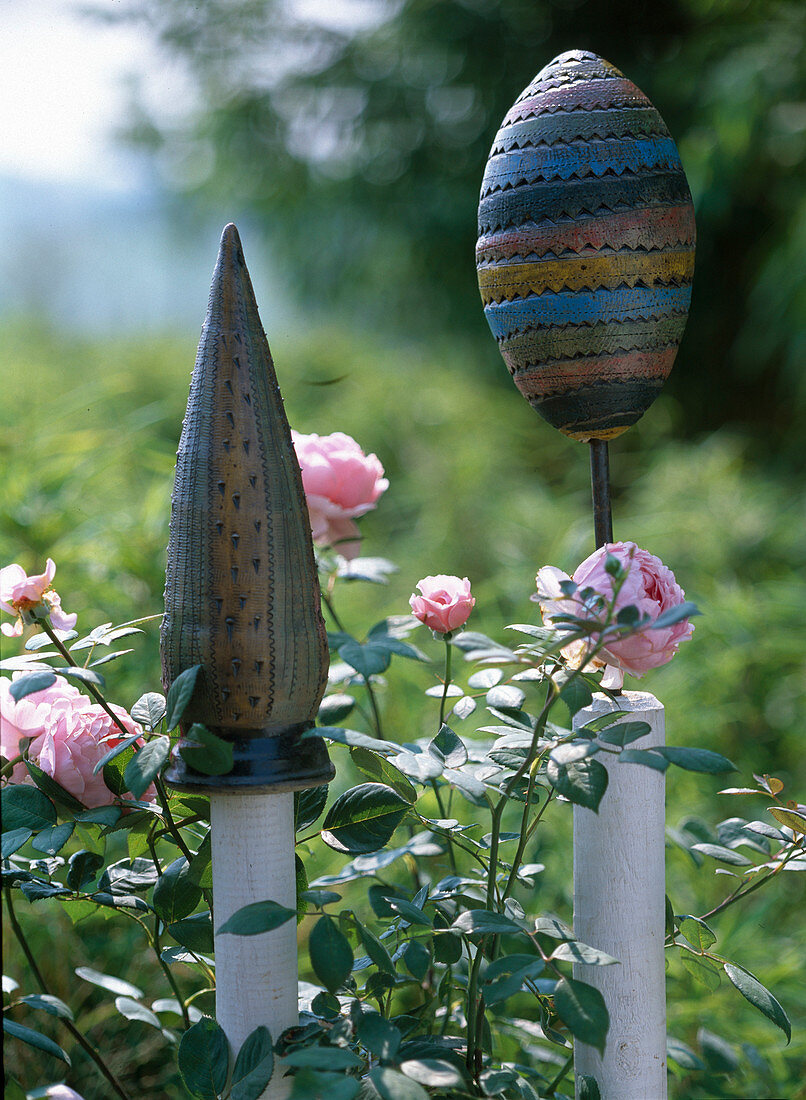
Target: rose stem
79,1038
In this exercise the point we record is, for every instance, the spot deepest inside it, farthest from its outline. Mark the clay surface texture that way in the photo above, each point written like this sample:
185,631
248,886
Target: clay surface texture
242,595
585,254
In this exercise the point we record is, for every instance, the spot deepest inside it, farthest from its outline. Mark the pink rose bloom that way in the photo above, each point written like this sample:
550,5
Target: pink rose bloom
62,1092
445,603
76,737
70,735
649,585
341,483
31,598
29,718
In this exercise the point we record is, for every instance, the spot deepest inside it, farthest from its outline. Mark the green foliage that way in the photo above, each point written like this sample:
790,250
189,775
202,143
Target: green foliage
179,696
205,751
204,1059
145,765
259,916
402,956
362,156
331,954
364,818
253,1066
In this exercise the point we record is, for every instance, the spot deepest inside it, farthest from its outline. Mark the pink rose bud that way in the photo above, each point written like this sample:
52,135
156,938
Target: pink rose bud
31,598
445,603
649,586
340,483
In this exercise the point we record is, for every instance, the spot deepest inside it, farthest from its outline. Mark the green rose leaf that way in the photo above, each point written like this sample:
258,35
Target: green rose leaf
375,949
724,855
53,839
583,782
697,932
258,917
448,748
576,952
178,698
331,955
582,1009
335,708
674,615
27,685
26,808
364,818
109,982
350,737
175,894
203,1059
432,1071
115,769
588,1088
391,1085
368,659
34,1039
377,1035
308,805
85,675
483,922
253,1066
149,710
133,1010
384,771
576,694
13,840
47,1003
409,912
417,959
121,747
322,1058
650,758
52,789
83,868
195,933
145,765
701,968
697,760
680,1052
205,751
623,733
758,996
201,866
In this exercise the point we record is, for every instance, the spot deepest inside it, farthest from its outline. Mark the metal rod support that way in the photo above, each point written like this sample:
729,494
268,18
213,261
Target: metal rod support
600,486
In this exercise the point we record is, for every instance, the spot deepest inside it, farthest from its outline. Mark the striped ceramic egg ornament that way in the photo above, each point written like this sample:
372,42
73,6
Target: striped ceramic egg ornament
585,253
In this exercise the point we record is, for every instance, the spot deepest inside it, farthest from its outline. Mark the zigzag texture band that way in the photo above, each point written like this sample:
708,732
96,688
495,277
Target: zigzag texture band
585,254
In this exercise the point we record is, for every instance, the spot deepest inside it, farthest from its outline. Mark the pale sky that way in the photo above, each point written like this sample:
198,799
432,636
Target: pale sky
62,90
63,85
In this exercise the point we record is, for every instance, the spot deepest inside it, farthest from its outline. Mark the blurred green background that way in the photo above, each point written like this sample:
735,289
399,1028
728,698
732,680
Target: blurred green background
350,145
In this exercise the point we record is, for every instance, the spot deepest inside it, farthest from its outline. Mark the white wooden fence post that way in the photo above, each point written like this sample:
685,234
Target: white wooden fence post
253,859
619,906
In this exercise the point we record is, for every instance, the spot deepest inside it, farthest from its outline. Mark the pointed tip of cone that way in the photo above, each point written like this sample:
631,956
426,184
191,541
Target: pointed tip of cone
230,234
231,247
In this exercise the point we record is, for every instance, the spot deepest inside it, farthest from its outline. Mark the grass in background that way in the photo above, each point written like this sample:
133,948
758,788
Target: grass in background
479,486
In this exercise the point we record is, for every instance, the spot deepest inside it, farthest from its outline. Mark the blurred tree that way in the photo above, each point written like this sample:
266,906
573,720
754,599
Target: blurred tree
357,131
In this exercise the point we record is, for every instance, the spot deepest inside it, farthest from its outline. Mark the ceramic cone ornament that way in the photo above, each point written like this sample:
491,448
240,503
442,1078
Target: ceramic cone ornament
241,594
586,241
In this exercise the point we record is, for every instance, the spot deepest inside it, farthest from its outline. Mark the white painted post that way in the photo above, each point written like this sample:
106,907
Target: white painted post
253,860
619,906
